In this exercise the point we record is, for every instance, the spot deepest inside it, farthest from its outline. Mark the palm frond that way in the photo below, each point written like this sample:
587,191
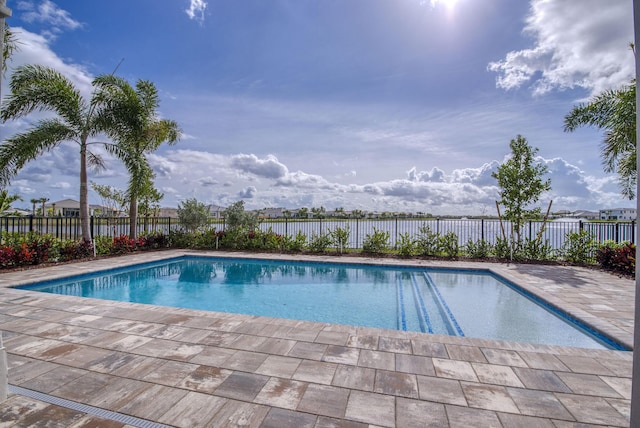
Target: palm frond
96,162
34,87
16,151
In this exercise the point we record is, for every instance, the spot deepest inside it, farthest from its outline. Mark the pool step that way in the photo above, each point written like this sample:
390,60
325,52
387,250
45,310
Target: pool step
421,306
453,323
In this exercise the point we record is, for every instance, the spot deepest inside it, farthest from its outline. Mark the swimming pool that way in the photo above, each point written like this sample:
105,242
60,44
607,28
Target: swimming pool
454,302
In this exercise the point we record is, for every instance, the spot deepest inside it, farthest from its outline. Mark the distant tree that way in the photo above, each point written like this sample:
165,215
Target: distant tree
112,198
613,111
193,215
319,212
149,199
239,220
521,184
43,201
303,213
34,201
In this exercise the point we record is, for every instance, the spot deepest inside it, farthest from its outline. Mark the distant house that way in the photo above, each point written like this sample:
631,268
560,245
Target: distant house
578,215
625,214
272,212
70,208
216,211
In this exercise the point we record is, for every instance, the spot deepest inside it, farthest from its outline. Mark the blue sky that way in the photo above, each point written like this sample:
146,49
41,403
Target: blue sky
380,105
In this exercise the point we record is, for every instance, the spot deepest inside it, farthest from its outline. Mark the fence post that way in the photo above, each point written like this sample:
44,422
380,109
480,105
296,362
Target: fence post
482,229
395,237
632,234
617,232
31,223
437,226
91,226
530,227
286,226
357,233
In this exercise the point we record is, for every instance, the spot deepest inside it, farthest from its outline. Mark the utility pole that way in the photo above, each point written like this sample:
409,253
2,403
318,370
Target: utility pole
5,12
635,379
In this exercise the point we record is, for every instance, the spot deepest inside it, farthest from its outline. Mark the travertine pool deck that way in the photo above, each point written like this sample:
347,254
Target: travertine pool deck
190,368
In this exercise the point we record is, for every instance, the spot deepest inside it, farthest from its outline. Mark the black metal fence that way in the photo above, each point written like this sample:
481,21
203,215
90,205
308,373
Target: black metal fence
554,232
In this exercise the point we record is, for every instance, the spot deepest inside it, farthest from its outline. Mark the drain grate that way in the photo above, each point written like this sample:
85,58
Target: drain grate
95,411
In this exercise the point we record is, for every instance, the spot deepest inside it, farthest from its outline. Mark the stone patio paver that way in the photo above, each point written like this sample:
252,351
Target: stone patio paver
283,393
194,368
371,408
324,400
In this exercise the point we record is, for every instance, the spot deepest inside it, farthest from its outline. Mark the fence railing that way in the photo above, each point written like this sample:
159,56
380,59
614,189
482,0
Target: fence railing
554,232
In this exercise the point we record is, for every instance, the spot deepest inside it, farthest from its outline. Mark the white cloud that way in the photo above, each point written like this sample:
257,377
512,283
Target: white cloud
269,167
35,49
462,191
196,10
47,12
574,46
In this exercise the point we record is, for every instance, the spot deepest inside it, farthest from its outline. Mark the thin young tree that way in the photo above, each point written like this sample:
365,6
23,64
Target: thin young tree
75,119
521,182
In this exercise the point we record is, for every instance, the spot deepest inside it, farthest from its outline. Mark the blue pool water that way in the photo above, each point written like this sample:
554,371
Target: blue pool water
463,303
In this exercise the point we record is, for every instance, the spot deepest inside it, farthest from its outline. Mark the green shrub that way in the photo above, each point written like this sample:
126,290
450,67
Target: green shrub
535,249
193,215
427,242
407,246
319,243
296,244
478,249
104,245
340,238
269,240
502,248
448,244
579,247
181,239
376,242
205,240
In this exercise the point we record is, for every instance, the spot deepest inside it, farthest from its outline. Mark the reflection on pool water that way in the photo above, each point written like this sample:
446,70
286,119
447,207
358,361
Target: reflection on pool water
453,302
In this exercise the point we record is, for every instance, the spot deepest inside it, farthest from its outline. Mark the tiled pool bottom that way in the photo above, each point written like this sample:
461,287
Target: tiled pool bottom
161,364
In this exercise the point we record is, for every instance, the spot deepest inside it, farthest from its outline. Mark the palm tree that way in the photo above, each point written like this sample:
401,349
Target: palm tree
142,132
303,212
34,87
34,201
6,200
613,111
43,201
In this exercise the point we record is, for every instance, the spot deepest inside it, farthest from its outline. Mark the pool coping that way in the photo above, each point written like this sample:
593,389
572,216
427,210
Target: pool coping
505,271
575,290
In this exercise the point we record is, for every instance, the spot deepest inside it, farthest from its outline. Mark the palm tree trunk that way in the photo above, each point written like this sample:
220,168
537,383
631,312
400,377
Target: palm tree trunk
133,216
84,193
